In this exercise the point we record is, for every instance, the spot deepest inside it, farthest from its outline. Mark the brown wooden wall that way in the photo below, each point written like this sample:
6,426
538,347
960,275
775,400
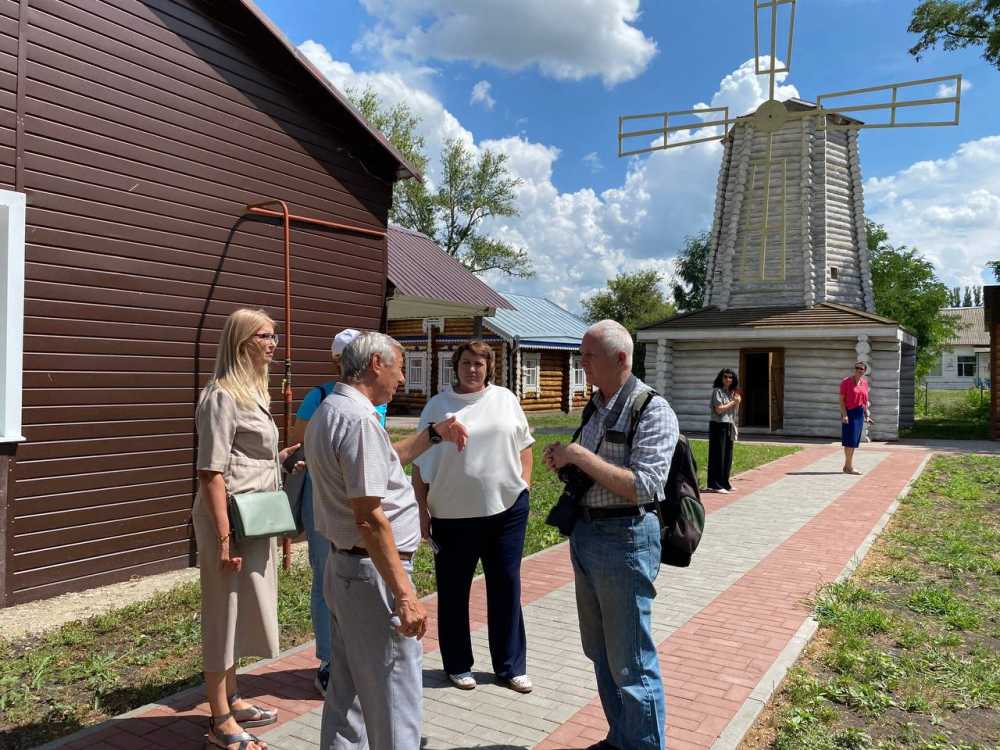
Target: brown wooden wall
554,366
147,127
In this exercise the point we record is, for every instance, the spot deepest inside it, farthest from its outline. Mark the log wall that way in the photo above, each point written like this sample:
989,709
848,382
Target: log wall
813,371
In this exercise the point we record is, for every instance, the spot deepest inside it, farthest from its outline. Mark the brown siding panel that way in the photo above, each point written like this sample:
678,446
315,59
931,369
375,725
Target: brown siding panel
148,127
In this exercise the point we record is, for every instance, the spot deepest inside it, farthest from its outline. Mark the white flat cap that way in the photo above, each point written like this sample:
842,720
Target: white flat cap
342,339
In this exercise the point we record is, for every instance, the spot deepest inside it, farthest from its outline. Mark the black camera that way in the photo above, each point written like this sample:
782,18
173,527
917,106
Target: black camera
564,513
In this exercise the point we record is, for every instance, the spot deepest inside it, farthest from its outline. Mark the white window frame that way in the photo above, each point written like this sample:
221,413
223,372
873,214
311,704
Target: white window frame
577,377
959,365
414,384
12,214
531,365
444,371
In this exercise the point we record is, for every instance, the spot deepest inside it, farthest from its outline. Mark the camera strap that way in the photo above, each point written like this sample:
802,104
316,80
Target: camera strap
624,395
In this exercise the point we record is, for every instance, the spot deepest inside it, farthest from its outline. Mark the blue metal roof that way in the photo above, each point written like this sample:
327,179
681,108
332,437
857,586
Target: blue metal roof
539,321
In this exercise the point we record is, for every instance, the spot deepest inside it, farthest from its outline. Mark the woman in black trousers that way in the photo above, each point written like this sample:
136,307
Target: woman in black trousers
474,507
722,430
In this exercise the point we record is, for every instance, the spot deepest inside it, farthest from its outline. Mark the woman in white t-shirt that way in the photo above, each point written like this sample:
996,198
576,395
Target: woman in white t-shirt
474,506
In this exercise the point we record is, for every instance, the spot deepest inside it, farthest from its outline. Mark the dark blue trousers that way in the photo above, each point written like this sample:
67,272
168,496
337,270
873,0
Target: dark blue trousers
499,542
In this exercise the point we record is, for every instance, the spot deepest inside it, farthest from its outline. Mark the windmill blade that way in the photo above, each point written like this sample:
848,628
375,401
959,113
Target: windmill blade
664,129
896,103
772,70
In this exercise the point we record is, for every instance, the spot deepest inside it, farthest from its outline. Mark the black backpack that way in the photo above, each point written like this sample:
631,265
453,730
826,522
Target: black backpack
682,516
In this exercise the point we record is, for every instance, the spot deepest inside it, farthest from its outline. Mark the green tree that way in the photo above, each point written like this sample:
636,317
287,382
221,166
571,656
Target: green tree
994,265
955,297
633,299
907,290
977,296
957,24
472,190
967,299
691,269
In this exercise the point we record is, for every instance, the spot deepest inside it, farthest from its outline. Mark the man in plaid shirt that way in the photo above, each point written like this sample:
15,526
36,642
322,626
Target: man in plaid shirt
615,544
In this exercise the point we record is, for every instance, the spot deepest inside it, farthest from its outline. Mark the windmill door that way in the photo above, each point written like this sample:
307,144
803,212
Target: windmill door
762,381
776,378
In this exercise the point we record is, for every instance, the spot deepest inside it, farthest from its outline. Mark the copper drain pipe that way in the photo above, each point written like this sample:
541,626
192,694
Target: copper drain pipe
259,209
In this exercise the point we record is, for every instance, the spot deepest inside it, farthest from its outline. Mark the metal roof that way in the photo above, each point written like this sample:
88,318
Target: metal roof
422,272
536,320
971,327
823,314
405,169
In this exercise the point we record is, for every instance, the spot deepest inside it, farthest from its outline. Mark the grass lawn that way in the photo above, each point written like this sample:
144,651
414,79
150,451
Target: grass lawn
956,415
908,651
88,671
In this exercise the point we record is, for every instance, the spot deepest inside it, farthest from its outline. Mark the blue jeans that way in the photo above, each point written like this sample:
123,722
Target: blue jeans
319,548
616,561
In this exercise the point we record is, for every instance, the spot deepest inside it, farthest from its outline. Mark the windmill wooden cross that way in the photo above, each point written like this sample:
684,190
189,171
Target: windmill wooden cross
789,227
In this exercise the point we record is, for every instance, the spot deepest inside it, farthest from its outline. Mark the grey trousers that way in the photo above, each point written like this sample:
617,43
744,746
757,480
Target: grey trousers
374,698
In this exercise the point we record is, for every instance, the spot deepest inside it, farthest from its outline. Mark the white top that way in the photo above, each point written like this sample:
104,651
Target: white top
350,456
485,478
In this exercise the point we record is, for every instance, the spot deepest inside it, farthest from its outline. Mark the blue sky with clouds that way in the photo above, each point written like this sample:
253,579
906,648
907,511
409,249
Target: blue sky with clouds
545,83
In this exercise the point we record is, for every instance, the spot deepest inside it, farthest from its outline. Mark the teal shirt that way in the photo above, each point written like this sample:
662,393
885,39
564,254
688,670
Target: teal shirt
315,397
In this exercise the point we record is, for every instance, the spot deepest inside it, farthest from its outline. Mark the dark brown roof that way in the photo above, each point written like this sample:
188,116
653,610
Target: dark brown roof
419,268
405,169
823,314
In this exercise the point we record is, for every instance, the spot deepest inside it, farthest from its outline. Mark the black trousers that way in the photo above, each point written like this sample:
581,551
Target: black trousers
499,542
720,455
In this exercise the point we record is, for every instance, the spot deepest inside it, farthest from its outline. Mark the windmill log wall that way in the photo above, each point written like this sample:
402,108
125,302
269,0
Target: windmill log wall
813,372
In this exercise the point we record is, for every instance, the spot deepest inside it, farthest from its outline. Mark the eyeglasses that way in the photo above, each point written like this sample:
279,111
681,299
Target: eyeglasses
860,369
267,337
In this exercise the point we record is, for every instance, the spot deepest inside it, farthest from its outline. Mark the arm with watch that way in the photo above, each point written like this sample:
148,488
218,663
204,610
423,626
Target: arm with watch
449,430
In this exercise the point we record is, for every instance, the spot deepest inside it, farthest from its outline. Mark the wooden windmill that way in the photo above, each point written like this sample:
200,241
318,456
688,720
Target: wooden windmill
789,227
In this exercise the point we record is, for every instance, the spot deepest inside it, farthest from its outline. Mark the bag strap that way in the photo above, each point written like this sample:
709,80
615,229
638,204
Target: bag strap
613,416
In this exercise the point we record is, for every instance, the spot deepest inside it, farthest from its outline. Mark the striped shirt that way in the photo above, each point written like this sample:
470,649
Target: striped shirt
652,448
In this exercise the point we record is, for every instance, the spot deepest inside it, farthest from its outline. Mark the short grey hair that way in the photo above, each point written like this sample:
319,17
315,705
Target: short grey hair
614,338
356,359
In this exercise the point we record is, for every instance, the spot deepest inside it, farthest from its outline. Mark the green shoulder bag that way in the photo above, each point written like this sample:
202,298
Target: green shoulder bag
259,515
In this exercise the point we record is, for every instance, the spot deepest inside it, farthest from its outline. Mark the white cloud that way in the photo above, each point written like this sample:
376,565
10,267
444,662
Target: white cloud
481,95
945,90
578,240
593,162
564,39
948,208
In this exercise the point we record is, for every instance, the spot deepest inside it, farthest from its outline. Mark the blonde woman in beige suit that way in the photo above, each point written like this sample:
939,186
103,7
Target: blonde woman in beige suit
237,452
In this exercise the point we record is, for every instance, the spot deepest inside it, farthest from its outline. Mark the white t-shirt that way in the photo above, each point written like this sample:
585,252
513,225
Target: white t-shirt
485,478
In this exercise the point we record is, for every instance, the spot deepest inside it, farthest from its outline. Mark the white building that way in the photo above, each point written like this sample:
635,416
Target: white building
965,361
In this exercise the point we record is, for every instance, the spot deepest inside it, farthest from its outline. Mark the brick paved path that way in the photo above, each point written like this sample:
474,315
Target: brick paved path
728,627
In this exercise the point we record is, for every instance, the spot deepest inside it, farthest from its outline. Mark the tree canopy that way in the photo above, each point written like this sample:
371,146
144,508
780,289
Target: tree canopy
956,24
473,188
633,299
907,290
691,268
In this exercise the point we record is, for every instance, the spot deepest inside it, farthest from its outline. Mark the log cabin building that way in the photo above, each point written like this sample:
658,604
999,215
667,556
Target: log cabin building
541,354
136,133
434,304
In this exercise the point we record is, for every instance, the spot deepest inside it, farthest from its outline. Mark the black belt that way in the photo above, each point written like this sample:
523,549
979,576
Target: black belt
362,552
622,511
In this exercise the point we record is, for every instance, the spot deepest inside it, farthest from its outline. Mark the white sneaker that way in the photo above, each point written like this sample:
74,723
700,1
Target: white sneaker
722,491
520,684
464,681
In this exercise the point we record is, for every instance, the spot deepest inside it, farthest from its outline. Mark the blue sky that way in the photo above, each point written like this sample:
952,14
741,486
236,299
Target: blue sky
552,79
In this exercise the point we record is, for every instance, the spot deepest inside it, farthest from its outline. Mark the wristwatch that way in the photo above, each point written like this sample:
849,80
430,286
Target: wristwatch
433,434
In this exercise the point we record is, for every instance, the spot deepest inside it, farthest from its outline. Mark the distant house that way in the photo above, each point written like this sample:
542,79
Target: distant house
541,354
964,362
433,304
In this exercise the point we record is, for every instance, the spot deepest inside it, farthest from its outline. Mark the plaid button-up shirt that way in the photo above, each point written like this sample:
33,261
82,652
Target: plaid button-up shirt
652,448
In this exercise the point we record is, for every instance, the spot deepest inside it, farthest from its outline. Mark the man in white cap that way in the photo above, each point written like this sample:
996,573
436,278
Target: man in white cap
319,547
